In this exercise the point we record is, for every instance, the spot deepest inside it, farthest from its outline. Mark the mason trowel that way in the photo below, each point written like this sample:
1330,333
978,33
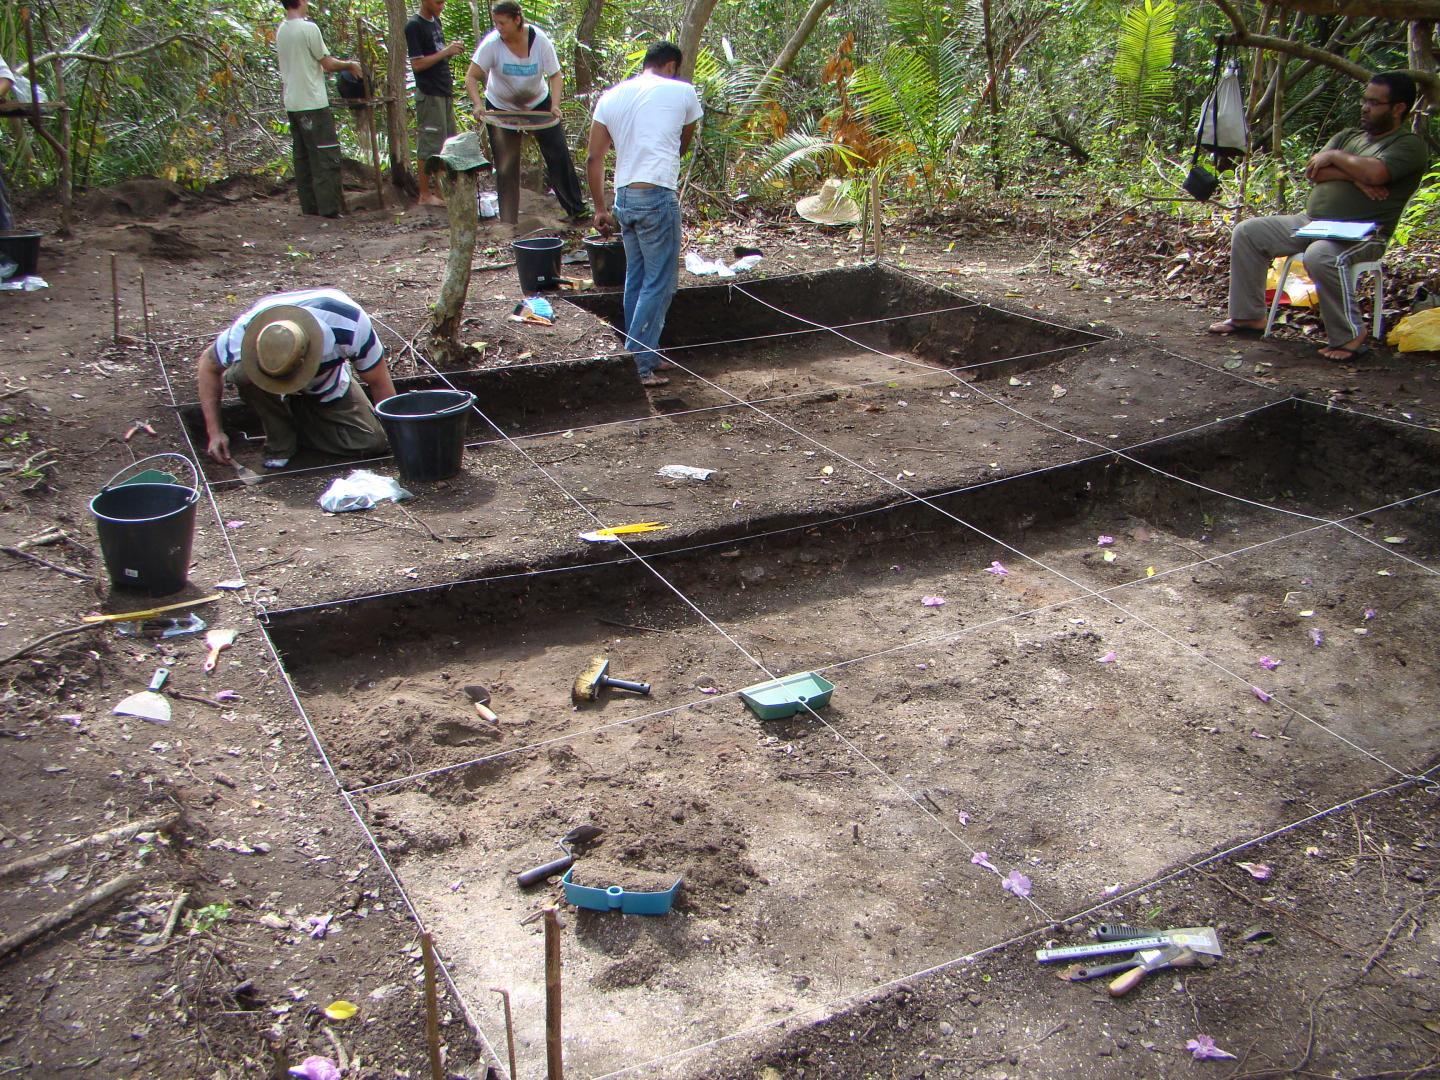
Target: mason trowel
148,704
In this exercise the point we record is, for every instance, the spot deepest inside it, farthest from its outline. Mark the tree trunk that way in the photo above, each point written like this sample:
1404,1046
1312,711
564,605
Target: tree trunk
692,25
1422,58
783,60
585,46
478,26
459,192
396,112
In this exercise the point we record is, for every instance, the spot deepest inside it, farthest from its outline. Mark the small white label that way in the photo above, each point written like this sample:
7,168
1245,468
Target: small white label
132,573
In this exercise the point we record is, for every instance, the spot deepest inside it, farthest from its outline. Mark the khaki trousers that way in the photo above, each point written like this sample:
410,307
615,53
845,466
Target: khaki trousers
344,428
1256,242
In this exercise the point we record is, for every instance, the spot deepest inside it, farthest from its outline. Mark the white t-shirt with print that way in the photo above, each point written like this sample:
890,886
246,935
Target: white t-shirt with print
644,116
511,82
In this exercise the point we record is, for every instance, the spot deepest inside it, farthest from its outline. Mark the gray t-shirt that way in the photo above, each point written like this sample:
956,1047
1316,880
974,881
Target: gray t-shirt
300,47
1403,153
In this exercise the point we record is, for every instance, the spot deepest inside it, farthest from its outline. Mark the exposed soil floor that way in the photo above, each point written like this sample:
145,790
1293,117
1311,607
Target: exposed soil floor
1039,536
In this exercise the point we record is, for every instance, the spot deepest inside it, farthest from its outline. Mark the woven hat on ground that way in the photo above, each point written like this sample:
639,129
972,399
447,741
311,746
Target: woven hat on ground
828,206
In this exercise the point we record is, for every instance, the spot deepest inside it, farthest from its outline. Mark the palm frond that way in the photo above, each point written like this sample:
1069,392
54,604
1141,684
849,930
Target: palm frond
1144,52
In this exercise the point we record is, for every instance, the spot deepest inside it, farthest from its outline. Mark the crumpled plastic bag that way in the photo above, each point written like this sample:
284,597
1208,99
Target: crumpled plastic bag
700,266
1299,289
33,283
361,490
1419,332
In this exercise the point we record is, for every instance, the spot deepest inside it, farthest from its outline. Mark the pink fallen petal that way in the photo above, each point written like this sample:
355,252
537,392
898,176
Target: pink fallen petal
1259,871
1017,883
1108,658
227,695
1104,541
1305,581
998,569
316,1068
1203,1047
1369,613
1261,694
319,925
963,816
1257,735
709,690
1110,890
932,601
1268,663
1317,638
982,858
236,524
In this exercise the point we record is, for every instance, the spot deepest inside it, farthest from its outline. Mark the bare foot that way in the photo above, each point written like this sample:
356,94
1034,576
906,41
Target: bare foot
1237,326
1351,350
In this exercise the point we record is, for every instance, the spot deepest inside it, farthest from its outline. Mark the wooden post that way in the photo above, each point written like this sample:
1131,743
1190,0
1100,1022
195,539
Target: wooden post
458,188
432,1008
554,1058
875,211
115,295
144,308
67,182
368,113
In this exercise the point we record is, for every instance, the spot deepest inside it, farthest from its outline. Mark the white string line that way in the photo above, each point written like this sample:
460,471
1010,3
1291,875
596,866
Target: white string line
1390,549
681,595
314,735
1122,334
948,636
755,537
885,480
1332,406
839,1005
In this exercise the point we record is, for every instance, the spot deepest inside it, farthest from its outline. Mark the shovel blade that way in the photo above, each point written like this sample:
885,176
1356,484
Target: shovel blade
147,705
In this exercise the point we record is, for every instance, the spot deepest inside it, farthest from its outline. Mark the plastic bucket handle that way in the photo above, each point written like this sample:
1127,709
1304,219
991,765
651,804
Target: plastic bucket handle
194,472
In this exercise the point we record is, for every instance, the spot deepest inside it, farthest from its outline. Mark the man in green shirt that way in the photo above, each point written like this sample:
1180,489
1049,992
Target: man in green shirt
1363,174
315,149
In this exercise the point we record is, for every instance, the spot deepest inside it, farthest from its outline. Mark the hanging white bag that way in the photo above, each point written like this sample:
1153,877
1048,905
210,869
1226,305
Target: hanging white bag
1222,118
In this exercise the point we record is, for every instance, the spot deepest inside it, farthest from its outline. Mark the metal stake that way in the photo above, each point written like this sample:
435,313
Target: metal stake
509,1029
554,1060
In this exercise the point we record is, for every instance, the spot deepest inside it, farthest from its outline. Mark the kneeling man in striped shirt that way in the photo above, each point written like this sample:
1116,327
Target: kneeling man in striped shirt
290,358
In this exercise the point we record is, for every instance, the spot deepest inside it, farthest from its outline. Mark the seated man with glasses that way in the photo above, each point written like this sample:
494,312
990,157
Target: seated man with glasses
1363,174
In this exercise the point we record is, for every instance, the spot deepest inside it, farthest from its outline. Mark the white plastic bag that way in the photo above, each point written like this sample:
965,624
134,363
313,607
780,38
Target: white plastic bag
361,490
1222,117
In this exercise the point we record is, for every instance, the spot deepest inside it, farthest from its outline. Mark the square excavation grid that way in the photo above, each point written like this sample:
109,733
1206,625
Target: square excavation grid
1089,717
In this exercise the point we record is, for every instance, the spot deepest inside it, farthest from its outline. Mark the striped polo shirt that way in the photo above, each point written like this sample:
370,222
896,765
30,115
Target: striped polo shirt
347,330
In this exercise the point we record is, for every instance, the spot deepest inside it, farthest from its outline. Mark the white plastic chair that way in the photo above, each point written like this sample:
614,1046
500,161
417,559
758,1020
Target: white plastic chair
1374,266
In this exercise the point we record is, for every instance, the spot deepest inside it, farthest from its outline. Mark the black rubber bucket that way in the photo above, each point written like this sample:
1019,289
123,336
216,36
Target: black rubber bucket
537,261
146,532
22,248
607,260
427,431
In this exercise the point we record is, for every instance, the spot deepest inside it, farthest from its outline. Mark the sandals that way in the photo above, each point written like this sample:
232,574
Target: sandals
1230,326
654,380
1348,354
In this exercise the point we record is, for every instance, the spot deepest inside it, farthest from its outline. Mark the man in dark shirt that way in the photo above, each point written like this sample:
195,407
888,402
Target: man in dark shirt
1363,174
434,88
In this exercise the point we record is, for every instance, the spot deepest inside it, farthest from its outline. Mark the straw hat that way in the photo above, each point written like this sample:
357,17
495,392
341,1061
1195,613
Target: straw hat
828,206
282,349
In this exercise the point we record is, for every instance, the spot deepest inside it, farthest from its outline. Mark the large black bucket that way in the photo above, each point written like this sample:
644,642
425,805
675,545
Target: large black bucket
146,531
537,261
22,248
427,431
607,260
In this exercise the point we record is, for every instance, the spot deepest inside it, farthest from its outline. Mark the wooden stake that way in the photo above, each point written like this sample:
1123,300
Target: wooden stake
875,210
432,1008
115,294
509,1029
554,1059
144,307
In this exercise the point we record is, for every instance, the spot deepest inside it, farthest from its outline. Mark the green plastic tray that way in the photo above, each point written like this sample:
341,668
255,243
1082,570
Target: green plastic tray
786,696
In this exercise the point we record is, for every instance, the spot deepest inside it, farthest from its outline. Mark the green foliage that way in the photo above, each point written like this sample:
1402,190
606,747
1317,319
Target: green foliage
207,918
1421,220
1144,52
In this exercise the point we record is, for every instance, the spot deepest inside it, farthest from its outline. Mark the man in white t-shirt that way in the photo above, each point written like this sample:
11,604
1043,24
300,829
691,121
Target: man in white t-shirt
315,149
649,120
522,75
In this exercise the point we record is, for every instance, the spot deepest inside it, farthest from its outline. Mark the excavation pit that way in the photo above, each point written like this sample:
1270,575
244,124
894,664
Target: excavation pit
1084,721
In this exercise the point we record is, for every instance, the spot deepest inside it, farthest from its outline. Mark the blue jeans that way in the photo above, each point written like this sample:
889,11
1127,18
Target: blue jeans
650,229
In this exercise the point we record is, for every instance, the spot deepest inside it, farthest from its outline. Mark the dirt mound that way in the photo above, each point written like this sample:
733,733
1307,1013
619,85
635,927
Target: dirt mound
144,198
163,242
245,186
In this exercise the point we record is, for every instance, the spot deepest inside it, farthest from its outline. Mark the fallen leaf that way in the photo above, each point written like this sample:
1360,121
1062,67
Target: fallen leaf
1394,539
1306,613
1057,392
1259,871
341,1010
1109,556
1149,571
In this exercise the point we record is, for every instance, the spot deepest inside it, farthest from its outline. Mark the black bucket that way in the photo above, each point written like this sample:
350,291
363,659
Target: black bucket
146,532
427,431
607,260
537,260
22,248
